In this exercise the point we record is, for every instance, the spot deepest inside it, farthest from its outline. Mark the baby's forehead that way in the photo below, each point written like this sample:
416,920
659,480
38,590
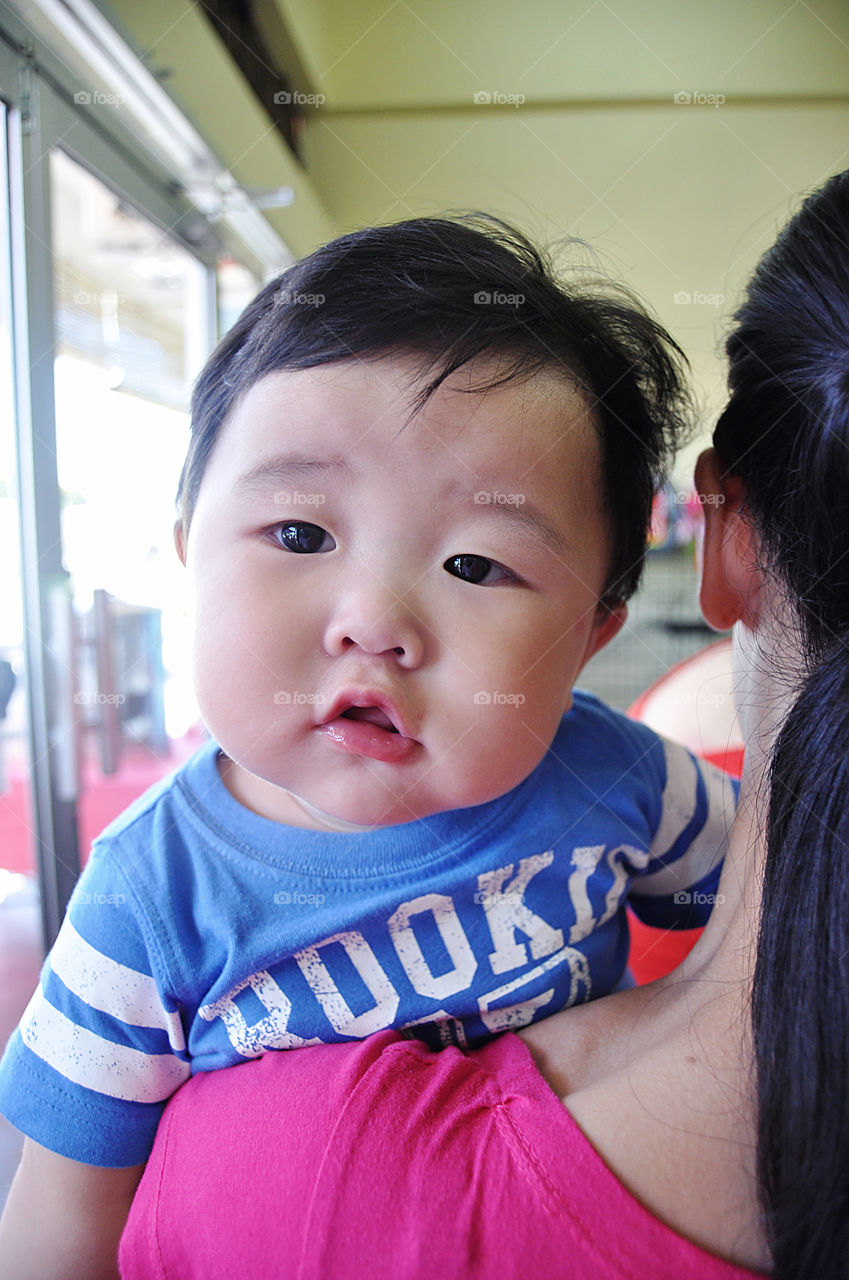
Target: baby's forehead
343,444
392,393
416,379
357,423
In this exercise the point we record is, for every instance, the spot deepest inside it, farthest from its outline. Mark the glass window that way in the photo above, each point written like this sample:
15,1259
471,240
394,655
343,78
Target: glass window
130,335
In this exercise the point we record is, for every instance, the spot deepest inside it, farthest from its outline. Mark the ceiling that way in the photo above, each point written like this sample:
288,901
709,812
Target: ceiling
674,137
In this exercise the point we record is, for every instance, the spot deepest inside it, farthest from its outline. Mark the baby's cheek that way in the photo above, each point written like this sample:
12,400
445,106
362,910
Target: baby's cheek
514,736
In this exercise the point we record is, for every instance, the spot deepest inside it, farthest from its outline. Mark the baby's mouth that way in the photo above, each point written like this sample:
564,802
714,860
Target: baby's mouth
373,715
367,729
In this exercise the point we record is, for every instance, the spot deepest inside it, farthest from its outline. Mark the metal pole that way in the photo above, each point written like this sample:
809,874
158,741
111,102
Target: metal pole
43,574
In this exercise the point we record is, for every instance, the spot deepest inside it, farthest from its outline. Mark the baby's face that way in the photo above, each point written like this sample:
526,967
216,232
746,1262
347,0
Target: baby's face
390,615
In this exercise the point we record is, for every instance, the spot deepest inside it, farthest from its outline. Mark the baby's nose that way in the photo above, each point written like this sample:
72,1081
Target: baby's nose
378,621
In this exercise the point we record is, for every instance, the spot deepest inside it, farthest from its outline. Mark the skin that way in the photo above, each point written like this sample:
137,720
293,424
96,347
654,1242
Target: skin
660,1078
64,1219
371,603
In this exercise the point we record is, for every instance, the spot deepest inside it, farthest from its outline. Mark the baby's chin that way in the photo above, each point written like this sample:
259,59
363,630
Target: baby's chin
349,807
351,812
358,808
356,816
359,817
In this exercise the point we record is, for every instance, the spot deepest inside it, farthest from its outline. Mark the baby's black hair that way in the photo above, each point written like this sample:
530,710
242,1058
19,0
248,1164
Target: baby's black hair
450,290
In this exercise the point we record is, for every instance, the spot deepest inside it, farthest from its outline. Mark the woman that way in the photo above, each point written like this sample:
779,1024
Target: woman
693,1127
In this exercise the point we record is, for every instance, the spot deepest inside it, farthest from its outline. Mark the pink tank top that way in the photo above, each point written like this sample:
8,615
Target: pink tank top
382,1159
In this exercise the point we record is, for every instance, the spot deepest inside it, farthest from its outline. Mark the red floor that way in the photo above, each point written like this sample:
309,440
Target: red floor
102,799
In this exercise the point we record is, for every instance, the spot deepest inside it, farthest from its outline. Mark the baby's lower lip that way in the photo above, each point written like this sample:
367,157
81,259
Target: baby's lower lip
362,738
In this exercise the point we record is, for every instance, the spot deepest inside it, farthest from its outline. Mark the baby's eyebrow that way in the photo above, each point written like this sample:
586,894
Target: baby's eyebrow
292,466
514,507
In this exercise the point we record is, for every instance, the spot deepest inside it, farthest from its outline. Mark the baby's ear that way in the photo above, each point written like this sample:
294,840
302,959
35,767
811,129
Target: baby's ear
731,577
180,540
608,622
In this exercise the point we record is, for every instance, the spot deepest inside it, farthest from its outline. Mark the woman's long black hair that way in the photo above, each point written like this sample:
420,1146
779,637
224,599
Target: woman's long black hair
786,432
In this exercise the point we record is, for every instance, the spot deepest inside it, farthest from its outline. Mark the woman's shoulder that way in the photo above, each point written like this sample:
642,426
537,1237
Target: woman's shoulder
385,1156
659,1095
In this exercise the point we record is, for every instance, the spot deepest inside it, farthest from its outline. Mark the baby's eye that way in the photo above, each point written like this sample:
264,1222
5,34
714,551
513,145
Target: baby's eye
479,570
302,537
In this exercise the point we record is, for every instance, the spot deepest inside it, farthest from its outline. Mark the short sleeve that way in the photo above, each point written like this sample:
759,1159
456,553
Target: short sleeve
677,887
98,1050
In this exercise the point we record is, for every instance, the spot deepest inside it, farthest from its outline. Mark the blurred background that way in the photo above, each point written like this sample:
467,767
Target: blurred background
160,161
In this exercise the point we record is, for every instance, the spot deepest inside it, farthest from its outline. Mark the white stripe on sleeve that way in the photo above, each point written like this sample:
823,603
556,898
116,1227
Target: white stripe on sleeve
87,1059
678,802
679,807
110,987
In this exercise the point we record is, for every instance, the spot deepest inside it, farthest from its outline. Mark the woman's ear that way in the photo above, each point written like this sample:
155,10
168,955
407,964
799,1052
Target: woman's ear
731,577
180,540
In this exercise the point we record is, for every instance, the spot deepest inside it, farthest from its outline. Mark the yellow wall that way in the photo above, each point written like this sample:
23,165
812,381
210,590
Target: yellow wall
374,52
680,197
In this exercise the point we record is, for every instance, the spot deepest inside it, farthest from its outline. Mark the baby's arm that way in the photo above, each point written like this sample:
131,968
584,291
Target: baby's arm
63,1220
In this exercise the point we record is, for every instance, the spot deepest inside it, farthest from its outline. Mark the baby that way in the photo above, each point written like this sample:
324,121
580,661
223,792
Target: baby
414,504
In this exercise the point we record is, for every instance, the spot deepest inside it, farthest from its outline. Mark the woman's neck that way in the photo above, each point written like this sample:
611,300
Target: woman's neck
660,1077
766,681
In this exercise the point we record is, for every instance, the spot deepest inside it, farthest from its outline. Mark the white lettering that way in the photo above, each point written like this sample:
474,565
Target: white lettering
615,860
519,1015
339,1014
506,912
515,1015
268,1033
410,953
585,859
